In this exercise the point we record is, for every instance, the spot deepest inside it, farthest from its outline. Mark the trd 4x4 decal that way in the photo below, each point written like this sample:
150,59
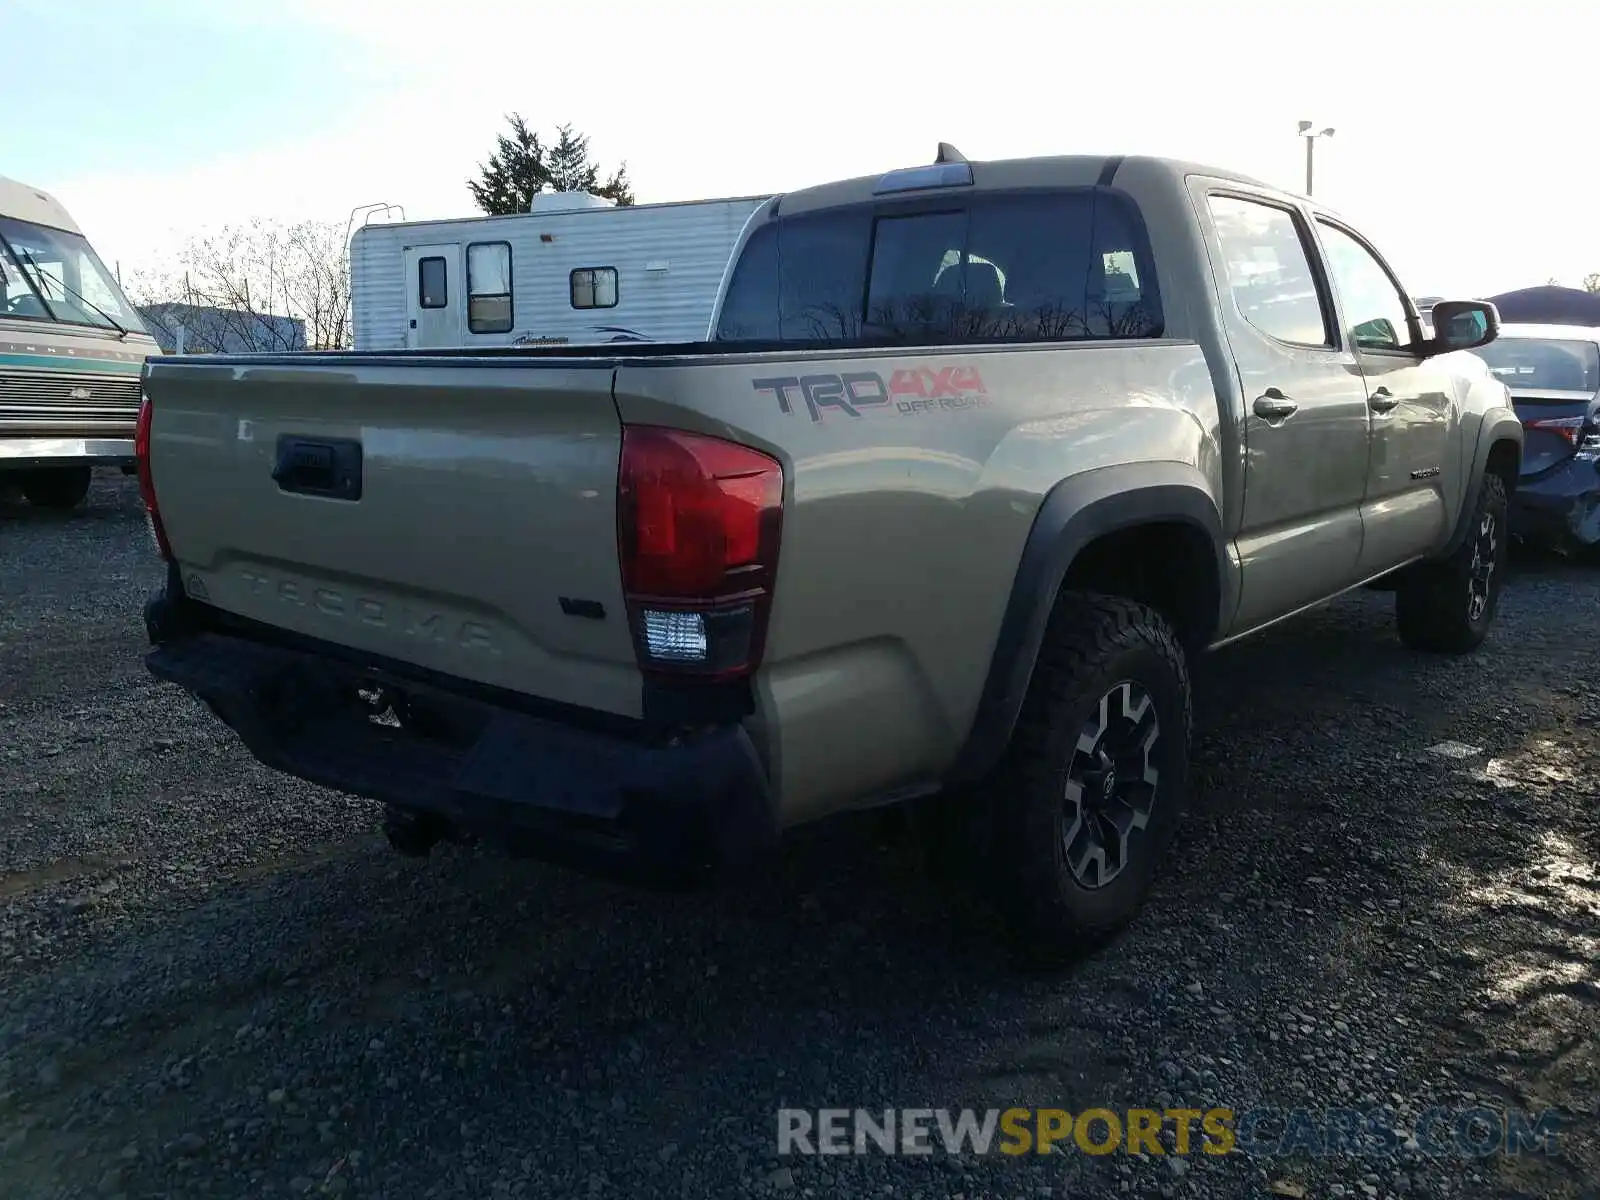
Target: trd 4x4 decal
909,390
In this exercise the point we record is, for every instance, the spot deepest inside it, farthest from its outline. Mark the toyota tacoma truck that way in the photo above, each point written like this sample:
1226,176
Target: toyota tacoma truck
974,459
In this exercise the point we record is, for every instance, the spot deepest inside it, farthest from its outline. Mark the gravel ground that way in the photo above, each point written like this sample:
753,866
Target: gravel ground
216,983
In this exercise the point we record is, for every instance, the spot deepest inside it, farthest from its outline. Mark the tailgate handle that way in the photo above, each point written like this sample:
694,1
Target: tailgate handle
327,467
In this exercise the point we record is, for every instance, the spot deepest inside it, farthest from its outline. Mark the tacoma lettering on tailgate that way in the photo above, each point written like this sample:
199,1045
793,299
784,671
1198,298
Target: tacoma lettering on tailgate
909,390
419,624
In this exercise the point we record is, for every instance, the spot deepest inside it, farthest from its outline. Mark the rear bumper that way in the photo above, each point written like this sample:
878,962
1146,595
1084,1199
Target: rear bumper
603,799
27,452
1561,508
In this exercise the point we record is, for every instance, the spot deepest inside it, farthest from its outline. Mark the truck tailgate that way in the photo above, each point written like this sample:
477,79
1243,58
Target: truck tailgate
459,520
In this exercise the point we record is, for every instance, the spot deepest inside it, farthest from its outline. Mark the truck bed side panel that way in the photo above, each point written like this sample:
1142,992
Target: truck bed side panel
488,497
905,522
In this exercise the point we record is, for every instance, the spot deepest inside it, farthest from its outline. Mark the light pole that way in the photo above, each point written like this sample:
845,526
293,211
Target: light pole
1311,142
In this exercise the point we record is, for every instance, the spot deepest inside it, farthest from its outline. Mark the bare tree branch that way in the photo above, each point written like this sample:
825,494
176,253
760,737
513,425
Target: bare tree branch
257,287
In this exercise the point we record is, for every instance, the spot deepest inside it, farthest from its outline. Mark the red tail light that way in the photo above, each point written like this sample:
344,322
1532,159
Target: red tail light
1569,428
147,485
698,524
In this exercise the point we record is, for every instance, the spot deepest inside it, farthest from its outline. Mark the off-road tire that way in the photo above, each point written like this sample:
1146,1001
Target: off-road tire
1435,604
1094,644
55,488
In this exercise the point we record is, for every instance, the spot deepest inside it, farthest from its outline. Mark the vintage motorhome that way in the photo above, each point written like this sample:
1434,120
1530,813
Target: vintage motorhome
71,348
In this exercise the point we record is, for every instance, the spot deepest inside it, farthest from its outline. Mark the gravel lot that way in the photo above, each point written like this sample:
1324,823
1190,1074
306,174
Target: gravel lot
214,983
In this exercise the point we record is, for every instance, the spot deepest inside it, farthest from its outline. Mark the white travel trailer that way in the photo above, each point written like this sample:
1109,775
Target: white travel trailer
574,268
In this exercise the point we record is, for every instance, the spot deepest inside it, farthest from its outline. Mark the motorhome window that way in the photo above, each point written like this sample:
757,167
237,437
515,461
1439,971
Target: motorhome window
489,287
53,275
593,287
17,296
1037,267
433,283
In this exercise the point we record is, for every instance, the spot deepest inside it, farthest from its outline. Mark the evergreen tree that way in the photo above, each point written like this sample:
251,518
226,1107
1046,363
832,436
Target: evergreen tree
568,162
514,174
522,166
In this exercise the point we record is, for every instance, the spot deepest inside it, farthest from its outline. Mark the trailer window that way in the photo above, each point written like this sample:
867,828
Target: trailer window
1048,266
489,287
593,287
433,283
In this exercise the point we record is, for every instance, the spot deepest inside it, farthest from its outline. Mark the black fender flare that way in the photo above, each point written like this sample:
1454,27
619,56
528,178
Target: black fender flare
1503,426
1074,513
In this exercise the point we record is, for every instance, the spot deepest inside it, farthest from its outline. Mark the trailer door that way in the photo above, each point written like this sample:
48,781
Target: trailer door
437,298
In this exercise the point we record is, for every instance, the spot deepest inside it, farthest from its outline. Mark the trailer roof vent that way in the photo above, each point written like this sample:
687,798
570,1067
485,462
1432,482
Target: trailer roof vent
549,202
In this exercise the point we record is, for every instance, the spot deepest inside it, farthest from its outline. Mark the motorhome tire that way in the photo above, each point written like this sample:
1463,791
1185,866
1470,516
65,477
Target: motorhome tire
57,488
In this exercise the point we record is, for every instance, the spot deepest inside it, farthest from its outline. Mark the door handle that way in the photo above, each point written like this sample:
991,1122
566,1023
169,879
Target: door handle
314,467
1273,406
1383,400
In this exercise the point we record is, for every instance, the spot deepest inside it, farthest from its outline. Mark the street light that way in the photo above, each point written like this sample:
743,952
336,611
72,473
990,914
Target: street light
1311,141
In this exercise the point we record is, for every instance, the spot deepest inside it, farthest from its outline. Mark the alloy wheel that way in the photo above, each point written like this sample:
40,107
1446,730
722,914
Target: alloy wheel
1112,782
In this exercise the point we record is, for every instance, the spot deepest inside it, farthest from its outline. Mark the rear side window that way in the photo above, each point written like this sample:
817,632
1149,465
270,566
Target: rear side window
1269,270
1044,266
433,288
750,306
489,287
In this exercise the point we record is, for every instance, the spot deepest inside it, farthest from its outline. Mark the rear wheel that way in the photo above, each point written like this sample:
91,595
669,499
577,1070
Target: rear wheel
57,488
1446,607
1093,783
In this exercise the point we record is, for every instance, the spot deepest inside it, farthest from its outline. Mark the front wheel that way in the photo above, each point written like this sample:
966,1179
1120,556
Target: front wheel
1093,783
1446,607
58,488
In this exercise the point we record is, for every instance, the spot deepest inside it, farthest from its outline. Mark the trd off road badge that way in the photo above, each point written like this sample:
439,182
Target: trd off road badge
855,393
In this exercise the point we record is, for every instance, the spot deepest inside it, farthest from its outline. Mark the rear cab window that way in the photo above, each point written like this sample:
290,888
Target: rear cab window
1044,266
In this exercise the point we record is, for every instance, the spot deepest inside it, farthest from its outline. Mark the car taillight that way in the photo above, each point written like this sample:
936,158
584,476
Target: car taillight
147,485
1571,429
698,523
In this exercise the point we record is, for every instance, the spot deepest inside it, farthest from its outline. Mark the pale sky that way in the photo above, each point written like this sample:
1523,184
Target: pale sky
1467,140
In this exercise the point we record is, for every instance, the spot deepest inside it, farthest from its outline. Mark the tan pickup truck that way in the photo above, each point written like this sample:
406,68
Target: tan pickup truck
975,456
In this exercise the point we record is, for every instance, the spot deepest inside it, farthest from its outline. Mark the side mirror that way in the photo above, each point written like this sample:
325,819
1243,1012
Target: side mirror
1462,325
